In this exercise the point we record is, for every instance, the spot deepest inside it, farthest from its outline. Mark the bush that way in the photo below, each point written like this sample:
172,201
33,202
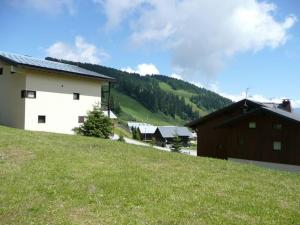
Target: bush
96,124
121,138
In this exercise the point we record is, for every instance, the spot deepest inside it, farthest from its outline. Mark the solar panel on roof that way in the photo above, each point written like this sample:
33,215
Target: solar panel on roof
34,62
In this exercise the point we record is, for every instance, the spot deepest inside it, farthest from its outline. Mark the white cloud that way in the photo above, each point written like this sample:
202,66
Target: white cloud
258,98
198,84
142,69
176,76
116,11
82,51
201,35
47,6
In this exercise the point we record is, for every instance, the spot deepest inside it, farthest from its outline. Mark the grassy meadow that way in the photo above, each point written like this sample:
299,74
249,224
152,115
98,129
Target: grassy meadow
61,179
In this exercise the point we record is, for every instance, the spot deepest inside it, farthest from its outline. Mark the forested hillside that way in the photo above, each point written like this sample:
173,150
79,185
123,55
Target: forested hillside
176,99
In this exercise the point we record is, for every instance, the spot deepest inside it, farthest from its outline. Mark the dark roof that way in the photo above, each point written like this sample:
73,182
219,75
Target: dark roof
221,111
282,113
172,131
261,107
27,61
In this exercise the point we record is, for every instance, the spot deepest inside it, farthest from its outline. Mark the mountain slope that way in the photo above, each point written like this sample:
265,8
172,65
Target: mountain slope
166,100
133,110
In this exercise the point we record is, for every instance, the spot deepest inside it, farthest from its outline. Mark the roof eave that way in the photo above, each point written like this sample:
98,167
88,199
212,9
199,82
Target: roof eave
110,79
195,123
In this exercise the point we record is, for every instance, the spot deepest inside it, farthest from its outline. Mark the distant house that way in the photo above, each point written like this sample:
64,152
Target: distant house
250,130
166,134
42,95
146,132
132,124
111,114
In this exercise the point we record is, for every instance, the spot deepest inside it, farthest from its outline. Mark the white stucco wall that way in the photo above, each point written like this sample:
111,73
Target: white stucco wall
12,106
54,99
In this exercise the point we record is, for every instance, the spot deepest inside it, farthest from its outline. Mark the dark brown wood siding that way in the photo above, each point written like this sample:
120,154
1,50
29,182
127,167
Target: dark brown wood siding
240,141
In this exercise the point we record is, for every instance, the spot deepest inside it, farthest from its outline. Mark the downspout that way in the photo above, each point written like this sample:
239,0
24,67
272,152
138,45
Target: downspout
108,101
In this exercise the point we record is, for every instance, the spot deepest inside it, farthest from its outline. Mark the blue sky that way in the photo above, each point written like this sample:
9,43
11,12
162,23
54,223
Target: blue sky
227,48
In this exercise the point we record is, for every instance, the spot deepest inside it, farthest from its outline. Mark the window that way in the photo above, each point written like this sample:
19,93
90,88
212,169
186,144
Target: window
241,141
277,146
277,126
1,71
41,119
219,146
252,125
28,94
76,96
81,119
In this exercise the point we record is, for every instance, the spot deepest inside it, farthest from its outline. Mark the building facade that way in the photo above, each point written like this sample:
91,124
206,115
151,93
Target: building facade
47,96
252,131
165,135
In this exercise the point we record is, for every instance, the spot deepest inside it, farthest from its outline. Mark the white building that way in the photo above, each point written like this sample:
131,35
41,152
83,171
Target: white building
42,95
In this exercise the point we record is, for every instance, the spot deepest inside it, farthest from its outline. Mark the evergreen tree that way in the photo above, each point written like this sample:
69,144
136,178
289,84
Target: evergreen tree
96,124
176,144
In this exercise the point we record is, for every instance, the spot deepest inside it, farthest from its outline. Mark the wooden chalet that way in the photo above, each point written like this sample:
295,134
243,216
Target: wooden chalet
146,132
165,135
250,130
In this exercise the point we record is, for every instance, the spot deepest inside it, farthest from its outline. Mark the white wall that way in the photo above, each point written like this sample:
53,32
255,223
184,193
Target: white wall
54,99
12,106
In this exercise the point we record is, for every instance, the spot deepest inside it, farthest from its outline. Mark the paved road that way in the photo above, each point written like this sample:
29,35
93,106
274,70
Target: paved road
135,142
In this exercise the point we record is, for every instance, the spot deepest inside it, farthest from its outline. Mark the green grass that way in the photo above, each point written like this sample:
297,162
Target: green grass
182,93
121,131
60,179
131,109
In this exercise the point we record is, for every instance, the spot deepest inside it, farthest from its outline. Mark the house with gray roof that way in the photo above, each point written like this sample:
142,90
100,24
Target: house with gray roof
166,134
42,95
250,130
146,132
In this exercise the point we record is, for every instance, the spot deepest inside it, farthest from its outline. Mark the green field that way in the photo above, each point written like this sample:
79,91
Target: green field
133,110
61,179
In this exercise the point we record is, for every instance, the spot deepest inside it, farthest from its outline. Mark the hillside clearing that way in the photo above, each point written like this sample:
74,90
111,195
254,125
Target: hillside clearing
133,110
182,93
62,179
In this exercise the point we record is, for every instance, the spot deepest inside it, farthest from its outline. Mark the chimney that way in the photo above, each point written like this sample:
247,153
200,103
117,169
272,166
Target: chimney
286,105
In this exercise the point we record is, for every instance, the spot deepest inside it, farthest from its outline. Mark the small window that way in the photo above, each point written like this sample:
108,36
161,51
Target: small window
277,126
81,119
1,71
219,146
76,96
28,94
241,141
41,119
252,125
277,146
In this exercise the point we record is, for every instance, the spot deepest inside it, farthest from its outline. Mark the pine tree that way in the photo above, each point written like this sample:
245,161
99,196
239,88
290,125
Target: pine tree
176,144
96,124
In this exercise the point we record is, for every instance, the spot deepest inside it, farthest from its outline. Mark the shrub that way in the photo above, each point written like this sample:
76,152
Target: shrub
176,144
96,124
121,138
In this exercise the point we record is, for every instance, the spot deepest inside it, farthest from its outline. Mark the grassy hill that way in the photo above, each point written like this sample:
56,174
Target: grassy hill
60,179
